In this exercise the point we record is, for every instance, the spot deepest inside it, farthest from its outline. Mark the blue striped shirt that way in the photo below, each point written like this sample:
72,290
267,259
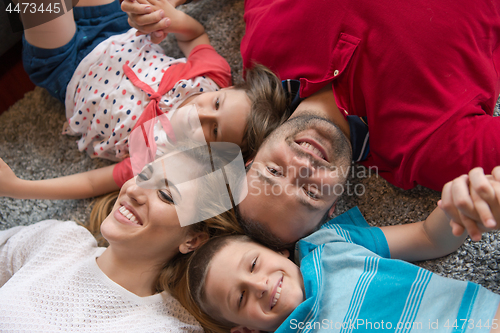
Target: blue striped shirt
352,285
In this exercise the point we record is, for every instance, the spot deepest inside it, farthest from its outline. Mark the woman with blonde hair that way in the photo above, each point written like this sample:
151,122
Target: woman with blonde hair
54,276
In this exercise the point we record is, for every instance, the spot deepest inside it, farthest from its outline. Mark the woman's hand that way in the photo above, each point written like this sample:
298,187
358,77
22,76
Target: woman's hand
472,202
8,180
147,20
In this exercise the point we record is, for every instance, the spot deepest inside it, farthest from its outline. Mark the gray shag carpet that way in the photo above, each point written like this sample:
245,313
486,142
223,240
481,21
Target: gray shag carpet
32,145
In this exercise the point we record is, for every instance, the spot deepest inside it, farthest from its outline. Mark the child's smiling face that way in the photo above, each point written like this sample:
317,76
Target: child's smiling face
253,286
222,115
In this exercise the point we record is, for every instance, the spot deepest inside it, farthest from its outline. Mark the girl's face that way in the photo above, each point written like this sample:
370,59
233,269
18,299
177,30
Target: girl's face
145,221
222,115
253,286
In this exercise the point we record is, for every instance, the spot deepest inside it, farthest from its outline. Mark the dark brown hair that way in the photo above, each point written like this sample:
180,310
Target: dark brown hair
268,107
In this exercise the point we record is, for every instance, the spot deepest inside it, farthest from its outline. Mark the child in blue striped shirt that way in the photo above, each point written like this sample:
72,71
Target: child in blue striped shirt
348,281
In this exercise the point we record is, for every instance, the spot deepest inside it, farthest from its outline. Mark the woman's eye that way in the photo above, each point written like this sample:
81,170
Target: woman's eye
254,262
274,171
164,196
217,104
216,131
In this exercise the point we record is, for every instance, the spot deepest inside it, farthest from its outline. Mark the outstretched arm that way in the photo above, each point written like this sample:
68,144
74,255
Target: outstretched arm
429,239
78,186
469,204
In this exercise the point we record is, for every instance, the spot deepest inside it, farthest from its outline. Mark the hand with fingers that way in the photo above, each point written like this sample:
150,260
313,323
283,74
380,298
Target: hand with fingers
160,17
148,18
472,202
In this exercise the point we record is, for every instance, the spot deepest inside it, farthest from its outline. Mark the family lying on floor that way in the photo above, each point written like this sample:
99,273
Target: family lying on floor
395,87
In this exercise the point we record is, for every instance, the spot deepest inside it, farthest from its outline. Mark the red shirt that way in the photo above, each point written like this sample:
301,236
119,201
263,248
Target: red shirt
423,72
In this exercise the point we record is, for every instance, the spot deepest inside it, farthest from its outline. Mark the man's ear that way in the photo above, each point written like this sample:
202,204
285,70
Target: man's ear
193,241
248,163
332,209
243,329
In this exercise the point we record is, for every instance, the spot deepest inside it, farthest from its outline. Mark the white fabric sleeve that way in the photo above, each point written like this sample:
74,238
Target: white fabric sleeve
17,244
5,254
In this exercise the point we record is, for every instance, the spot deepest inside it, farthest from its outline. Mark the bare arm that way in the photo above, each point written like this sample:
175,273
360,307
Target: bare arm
78,186
469,204
429,239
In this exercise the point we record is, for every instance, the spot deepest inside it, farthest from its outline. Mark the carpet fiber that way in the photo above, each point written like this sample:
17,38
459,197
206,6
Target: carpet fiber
31,144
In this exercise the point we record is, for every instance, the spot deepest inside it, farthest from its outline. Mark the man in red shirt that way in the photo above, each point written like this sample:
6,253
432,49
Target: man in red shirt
424,76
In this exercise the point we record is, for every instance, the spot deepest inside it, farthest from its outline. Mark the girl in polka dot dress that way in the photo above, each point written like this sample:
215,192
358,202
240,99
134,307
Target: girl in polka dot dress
112,81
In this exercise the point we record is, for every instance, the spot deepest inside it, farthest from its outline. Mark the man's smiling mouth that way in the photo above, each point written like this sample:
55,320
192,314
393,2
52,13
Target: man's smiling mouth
313,147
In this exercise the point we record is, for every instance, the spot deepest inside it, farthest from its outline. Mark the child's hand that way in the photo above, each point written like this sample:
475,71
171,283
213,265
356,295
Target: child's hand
472,202
147,19
176,3
7,180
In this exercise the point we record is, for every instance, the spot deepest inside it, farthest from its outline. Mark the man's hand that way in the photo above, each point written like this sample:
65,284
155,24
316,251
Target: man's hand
472,202
8,180
143,17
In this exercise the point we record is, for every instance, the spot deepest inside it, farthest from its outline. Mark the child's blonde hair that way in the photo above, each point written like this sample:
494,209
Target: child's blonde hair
268,107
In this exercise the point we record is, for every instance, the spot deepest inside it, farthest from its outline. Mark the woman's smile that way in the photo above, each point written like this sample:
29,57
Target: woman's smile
129,215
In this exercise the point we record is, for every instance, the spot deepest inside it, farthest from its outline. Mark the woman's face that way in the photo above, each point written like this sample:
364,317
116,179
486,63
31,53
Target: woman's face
145,221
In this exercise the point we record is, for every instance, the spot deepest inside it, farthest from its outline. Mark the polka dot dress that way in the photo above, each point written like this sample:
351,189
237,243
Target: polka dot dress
103,105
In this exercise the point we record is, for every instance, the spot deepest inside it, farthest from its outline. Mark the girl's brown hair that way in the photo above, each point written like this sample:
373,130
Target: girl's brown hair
268,107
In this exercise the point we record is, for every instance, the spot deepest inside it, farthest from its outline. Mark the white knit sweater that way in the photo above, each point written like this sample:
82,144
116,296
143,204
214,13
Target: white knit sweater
50,282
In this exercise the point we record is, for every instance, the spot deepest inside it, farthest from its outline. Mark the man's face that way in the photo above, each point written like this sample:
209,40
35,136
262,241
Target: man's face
294,179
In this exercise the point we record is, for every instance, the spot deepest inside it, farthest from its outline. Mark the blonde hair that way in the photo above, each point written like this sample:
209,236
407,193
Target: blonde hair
268,107
102,207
